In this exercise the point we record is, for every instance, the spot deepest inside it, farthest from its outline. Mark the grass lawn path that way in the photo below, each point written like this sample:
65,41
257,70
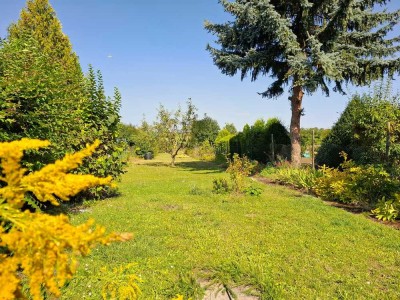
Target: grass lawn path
281,245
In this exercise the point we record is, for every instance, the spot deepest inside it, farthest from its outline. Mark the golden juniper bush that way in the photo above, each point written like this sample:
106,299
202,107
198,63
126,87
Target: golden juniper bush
44,248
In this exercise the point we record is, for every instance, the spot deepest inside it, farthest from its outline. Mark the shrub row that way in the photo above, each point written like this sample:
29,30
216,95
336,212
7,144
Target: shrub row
369,186
256,143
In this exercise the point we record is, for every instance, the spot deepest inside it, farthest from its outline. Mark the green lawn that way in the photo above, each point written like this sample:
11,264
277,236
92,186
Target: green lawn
281,245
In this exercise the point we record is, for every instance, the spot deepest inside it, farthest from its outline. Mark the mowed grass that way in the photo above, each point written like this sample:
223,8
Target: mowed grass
281,245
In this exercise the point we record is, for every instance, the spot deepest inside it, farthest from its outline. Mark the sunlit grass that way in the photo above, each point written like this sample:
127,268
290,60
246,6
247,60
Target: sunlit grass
282,245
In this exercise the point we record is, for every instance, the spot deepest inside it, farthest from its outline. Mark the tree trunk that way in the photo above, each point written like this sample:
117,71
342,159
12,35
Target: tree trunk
173,160
296,100
174,153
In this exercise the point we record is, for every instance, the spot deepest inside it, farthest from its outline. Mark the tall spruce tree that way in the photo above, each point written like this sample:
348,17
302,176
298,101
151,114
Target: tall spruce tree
306,45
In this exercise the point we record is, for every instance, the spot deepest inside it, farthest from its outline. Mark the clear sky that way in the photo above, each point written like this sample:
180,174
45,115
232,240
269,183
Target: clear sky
154,52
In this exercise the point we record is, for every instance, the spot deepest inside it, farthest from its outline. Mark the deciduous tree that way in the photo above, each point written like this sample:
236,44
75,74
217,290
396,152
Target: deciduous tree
174,128
205,129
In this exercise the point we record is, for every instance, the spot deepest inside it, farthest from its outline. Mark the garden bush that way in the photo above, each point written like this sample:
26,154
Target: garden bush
239,168
205,151
388,210
369,124
221,186
39,251
364,185
253,190
222,140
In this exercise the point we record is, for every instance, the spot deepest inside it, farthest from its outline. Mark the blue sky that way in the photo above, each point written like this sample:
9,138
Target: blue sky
154,52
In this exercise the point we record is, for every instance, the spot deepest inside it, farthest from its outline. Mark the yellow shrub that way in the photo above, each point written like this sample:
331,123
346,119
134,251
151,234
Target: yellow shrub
364,185
180,297
121,283
43,248
239,168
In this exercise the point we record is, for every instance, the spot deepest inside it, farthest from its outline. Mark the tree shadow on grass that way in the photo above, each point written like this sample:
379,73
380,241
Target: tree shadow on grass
155,164
203,167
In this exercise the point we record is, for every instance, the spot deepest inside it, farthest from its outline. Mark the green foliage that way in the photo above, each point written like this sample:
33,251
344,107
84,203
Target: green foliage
221,186
362,131
36,102
230,127
39,21
256,141
387,210
222,143
205,151
44,95
269,170
364,185
239,168
203,130
102,121
302,178
306,138
306,45
127,133
174,128
253,190
261,246
145,139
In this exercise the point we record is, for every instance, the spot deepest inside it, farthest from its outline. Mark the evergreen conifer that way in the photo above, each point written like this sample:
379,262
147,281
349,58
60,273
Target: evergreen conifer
307,45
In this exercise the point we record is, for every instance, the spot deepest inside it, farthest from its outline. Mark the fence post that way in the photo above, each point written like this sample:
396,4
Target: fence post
313,150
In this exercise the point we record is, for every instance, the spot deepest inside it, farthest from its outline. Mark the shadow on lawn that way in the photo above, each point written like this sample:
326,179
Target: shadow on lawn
154,163
204,167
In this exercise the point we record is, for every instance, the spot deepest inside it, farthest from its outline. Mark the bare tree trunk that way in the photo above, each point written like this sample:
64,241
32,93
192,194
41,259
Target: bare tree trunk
296,100
174,153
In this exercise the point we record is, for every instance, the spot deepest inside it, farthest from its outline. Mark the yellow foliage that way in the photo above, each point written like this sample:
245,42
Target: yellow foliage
239,168
44,247
121,283
180,297
51,180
